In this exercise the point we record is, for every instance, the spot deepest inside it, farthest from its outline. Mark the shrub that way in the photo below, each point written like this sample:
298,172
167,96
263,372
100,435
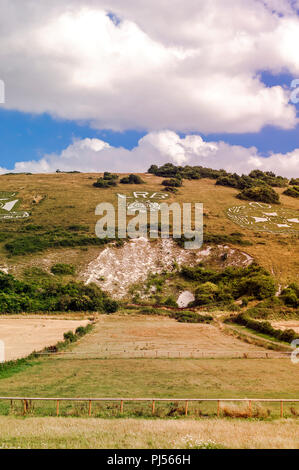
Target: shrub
45,294
131,179
294,182
261,194
292,192
172,183
69,337
290,295
223,287
191,317
61,268
109,176
104,183
170,302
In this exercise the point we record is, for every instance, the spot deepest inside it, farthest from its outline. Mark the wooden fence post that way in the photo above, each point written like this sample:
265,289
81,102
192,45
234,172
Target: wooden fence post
186,408
281,409
250,408
89,408
218,409
121,406
153,407
57,408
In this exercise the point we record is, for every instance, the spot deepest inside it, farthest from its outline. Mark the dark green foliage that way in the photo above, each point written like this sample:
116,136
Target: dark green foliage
33,227
131,179
53,239
265,328
293,192
261,194
45,294
172,183
290,295
83,330
191,317
170,189
255,178
78,228
61,268
187,172
223,287
69,336
102,183
269,178
294,181
170,302
218,239
109,176
4,236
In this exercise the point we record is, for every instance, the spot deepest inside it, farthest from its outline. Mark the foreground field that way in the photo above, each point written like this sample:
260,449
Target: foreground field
22,335
152,434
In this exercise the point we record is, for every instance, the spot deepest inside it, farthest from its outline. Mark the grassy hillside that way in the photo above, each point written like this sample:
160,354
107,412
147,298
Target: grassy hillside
66,202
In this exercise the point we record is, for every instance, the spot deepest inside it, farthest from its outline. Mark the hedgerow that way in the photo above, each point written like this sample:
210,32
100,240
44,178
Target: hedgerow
52,239
265,327
46,294
191,317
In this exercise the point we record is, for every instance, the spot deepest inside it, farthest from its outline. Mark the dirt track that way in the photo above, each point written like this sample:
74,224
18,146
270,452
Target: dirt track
21,336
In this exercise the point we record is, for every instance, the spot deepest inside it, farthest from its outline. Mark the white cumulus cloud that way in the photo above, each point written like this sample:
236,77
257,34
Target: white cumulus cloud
189,66
95,155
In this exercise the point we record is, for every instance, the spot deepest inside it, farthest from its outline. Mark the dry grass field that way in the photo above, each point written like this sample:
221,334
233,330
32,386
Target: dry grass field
92,433
23,335
71,199
151,336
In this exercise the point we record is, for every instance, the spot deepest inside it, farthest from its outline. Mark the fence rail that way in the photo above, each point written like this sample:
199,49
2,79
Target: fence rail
193,354
153,401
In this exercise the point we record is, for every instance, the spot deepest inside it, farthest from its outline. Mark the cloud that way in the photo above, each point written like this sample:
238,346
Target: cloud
94,155
189,66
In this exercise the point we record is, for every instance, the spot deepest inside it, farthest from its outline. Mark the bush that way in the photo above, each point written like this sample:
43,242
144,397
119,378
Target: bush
170,302
261,194
131,179
104,183
46,294
61,268
172,183
292,192
69,337
290,295
223,287
191,317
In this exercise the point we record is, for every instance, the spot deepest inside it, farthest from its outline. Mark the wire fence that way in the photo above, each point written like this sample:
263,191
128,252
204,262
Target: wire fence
121,402
162,354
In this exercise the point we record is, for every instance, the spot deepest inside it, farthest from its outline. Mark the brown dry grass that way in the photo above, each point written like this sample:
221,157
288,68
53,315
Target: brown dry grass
138,335
136,434
21,336
286,324
71,199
